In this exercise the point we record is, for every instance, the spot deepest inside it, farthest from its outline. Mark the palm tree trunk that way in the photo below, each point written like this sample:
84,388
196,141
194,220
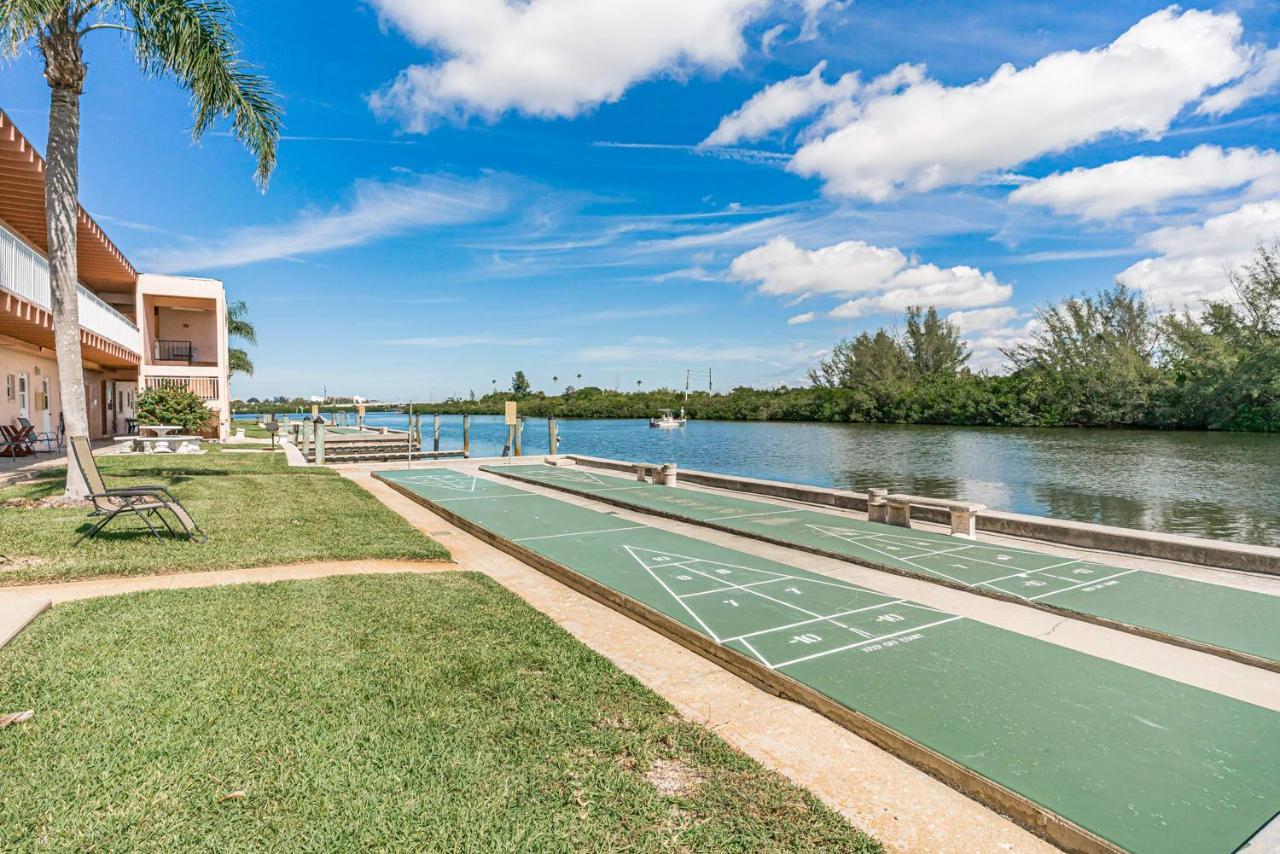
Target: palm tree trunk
65,70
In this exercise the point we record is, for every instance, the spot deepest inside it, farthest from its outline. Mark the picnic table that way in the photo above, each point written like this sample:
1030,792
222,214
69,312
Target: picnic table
17,441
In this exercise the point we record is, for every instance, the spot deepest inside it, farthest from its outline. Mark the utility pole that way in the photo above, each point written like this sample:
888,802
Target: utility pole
687,374
708,381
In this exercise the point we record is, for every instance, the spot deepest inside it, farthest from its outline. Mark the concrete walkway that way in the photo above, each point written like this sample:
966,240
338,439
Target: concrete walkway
903,807
20,605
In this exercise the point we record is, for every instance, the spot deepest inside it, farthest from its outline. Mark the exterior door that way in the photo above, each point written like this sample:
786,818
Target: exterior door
46,415
106,408
124,406
24,396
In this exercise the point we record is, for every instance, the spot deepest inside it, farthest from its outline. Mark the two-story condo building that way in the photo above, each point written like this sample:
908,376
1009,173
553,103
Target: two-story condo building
137,331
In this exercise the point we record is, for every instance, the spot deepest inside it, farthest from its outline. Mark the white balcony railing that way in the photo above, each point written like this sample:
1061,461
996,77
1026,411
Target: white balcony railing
206,388
24,272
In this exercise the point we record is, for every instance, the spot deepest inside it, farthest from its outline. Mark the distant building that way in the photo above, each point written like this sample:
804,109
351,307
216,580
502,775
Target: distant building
137,331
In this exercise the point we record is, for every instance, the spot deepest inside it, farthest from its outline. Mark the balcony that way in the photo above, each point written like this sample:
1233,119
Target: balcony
24,273
174,351
206,388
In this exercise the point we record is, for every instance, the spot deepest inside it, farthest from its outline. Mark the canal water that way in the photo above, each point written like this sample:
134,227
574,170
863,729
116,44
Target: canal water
1219,485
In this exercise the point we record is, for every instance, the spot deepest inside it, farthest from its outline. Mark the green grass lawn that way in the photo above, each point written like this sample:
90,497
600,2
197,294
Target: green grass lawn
363,713
256,510
251,429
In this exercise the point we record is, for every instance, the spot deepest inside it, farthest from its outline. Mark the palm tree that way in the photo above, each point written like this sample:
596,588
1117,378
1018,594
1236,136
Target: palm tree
238,326
189,41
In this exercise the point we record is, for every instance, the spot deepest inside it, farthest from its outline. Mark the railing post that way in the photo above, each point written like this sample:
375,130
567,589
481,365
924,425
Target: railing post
466,435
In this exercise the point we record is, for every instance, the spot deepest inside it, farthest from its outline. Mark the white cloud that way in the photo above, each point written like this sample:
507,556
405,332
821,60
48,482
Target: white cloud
640,350
890,279
1193,260
1144,183
1264,77
952,287
781,268
552,58
447,342
813,10
987,347
780,104
806,317
982,319
378,210
931,135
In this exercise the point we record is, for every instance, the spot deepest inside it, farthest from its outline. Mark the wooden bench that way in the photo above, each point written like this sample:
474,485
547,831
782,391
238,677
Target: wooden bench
662,475
896,510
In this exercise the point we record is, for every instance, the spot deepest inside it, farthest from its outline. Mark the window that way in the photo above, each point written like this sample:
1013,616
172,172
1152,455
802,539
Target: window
8,387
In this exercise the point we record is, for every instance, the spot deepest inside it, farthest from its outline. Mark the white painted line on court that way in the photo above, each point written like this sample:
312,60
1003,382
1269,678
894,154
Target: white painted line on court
1082,584
731,585
617,489
763,596
750,515
578,533
816,620
673,595
1027,572
864,642
757,654
488,497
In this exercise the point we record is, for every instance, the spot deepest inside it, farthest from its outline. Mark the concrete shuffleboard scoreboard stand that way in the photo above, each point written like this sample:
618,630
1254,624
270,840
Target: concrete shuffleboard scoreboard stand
1225,621
1091,755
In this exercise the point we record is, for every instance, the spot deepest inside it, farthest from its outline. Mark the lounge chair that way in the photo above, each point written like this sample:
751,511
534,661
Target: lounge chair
145,502
52,441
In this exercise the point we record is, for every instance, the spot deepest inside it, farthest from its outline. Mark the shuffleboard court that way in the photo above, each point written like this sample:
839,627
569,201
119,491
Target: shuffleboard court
1131,760
1243,624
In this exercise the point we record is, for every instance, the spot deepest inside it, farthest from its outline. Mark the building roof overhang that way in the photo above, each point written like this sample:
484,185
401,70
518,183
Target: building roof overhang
101,265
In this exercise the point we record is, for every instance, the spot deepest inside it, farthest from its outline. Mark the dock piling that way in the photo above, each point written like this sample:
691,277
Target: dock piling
553,437
519,443
466,435
319,428
435,433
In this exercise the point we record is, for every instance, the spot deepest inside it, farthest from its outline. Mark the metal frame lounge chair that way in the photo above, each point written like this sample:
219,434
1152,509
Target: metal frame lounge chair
145,502
52,441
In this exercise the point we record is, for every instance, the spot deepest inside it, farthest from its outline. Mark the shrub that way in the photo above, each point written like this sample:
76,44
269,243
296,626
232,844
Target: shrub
173,406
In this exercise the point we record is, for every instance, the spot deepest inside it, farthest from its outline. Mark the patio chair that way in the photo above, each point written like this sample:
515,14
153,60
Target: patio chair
145,502
52,441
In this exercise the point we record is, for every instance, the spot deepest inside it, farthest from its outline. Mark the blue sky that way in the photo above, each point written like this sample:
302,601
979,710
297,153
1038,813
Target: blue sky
630,190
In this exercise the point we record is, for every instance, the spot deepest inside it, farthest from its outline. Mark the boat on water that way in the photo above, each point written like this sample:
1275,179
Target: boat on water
667,421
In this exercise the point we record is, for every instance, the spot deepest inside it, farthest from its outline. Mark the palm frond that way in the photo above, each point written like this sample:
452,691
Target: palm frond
238,324
20,20
192,41
238,362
